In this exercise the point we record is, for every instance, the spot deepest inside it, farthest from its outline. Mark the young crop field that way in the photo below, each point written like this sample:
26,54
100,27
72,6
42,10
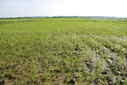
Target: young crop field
63,51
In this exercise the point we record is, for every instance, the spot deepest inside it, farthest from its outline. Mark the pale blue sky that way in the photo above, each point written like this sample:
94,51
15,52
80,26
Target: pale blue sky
12,8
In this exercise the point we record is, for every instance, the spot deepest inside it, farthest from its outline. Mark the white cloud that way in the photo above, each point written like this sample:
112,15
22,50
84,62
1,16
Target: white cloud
91,8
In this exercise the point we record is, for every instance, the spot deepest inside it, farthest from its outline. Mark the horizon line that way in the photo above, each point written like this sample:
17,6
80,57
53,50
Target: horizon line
61,16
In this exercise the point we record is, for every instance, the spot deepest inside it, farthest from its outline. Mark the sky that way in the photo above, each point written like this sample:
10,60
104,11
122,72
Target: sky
20,8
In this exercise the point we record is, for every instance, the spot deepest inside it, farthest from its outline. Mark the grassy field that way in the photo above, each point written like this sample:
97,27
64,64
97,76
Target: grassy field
63,51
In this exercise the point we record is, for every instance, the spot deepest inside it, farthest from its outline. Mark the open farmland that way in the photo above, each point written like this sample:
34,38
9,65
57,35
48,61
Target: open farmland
63,51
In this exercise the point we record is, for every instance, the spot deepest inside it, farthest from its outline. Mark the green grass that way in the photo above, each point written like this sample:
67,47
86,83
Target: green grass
67,51
67,25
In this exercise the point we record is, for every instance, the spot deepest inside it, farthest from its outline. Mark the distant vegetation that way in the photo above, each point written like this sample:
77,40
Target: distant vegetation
63,51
